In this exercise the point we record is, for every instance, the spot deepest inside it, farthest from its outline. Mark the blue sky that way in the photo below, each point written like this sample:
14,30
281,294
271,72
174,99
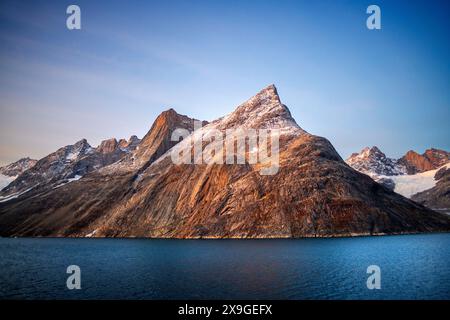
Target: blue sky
133,59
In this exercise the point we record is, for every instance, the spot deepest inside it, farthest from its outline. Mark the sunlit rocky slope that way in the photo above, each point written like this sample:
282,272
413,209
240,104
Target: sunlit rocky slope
314,193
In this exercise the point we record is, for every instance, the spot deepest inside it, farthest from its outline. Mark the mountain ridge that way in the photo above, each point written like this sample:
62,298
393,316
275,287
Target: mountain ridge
313,194
413,175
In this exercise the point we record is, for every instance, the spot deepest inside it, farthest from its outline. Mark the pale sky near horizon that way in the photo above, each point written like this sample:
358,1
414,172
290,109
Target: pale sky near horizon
134,59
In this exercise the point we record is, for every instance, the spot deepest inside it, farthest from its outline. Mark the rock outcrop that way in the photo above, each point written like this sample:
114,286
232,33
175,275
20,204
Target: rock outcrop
129,145
429,160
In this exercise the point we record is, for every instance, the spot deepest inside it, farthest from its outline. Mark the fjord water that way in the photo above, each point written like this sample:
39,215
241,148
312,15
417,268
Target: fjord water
412,267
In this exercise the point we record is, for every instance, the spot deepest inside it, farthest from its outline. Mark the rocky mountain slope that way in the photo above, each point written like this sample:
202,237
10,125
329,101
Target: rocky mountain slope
67,164
155,143
16,168
314,193
10,172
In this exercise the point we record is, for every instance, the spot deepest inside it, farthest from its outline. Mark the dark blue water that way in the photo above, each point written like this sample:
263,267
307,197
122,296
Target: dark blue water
412,267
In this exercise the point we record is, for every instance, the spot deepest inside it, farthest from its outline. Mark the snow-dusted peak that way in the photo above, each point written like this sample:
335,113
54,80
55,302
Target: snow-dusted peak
372,162
76,151
262,111
16,168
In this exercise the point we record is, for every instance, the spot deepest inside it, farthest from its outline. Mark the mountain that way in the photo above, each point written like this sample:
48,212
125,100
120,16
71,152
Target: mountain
311,192
429,160
155,143
67,164
413,175
16,168
372,162
10,172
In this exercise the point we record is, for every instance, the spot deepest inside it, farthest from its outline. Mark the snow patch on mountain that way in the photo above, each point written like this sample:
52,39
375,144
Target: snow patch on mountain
392,173
408,185
76,178
6,180
14,196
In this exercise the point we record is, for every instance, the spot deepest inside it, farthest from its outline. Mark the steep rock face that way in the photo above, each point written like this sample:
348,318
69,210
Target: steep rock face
415,162
429,160
155,143
314,192
108,146
437,157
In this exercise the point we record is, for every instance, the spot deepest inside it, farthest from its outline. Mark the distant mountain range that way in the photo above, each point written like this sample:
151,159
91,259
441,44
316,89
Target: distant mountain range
65,165
421,177
137,190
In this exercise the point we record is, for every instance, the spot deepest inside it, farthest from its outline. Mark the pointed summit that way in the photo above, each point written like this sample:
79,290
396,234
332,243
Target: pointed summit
269,91
156,142
373,162
262,111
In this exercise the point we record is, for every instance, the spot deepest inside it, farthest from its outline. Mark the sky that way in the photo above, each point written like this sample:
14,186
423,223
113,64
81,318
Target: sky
131,60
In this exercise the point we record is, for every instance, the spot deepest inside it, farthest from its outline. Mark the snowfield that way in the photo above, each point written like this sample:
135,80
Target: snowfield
76,178
408,185
5,180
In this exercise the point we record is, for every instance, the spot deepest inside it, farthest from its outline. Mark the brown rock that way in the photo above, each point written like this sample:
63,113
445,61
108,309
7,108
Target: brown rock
108,146
415,162
429,160
314,194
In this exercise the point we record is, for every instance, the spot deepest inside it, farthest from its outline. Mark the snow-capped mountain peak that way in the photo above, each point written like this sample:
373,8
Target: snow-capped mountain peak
262,111
76,151
372,162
